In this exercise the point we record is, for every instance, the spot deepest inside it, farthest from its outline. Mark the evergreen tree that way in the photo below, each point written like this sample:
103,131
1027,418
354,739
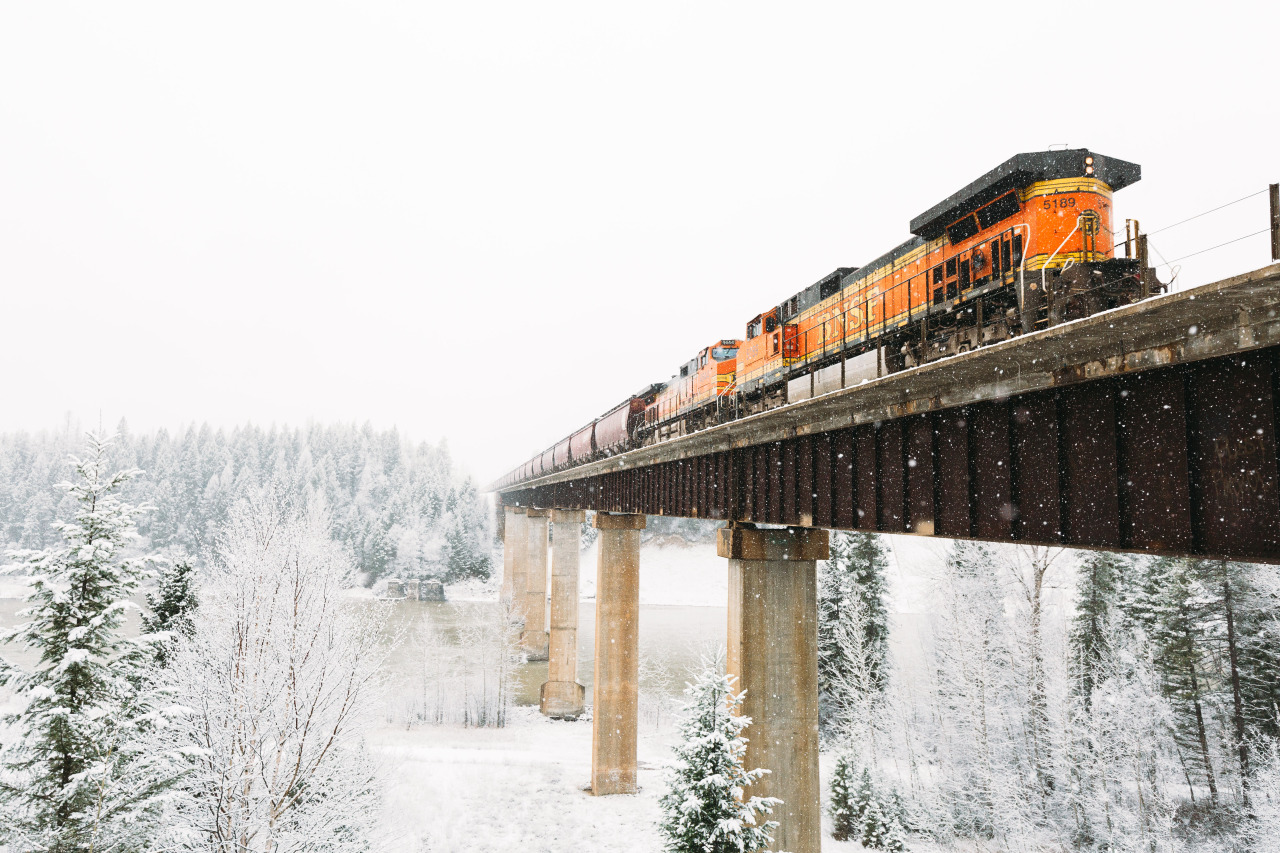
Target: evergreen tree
1259,638
851,596
705,809
874,817
172,605
1178,608
843,808
61,787
468,543
1097,591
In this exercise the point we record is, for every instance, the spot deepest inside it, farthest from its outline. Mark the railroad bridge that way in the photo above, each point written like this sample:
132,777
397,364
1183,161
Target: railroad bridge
1148,428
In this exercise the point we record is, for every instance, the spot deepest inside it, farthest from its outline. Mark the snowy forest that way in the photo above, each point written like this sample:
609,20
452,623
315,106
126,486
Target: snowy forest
402,509
1058,701
1042,700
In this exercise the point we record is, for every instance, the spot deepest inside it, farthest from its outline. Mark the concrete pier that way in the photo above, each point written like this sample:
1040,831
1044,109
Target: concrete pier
534,638
509,538
617,670
773,652
515,559
562,695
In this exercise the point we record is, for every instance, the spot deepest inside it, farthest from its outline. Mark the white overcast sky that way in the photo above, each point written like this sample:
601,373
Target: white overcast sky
491,222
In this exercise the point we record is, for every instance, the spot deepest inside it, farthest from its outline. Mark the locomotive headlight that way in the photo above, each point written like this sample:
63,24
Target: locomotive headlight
1088,165
1088,170
1088,161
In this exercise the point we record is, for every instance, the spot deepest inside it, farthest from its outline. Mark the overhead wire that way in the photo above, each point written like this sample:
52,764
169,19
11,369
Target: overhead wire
1206,213
1198,215
1219,246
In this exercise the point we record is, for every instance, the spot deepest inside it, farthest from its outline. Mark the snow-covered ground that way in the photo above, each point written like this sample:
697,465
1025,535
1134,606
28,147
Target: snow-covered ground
522,789
519,788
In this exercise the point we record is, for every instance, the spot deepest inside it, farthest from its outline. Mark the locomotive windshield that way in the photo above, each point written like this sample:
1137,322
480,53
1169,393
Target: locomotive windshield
724,353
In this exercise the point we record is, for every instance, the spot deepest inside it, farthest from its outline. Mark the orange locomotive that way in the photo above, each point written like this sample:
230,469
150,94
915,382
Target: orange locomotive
695,398
1026,246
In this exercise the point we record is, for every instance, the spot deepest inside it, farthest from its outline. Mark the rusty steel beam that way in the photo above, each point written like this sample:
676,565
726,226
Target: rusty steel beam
1150,428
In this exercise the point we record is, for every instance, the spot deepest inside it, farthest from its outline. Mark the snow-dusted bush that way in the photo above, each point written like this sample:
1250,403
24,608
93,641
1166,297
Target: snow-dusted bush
705,809
279,680
466,676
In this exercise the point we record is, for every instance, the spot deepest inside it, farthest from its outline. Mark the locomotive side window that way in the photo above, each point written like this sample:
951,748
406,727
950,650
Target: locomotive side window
996,269
937,274
1005,263
1017,249
753,329
963,230
770,323
951,267
999,210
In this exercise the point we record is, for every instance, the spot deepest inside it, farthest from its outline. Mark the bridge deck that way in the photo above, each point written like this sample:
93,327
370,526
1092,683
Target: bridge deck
1160,393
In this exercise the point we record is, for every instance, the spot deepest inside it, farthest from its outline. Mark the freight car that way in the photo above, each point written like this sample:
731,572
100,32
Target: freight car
698,396
1027,245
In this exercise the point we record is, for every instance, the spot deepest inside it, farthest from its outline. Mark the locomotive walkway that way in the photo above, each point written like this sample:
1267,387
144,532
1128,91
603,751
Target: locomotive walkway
1148,428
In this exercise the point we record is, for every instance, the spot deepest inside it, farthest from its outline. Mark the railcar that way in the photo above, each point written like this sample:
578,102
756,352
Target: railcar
1028,245
616,428
773,345
695,397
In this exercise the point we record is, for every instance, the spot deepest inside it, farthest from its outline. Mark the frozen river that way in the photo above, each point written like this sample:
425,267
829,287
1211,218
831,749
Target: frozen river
673,639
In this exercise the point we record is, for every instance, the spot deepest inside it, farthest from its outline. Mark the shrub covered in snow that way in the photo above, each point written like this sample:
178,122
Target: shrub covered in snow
705,809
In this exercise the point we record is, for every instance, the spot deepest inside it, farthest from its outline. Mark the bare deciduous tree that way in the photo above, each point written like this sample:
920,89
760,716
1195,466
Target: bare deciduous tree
279,681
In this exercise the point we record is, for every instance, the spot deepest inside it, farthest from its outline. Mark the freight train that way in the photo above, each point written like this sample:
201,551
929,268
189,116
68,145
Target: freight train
1028,245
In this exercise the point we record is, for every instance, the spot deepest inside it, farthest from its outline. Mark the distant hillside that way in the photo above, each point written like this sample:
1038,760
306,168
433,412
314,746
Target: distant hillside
403,509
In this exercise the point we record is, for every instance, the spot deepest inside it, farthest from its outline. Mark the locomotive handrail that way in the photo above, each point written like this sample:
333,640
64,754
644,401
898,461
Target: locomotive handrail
865,308
1044,269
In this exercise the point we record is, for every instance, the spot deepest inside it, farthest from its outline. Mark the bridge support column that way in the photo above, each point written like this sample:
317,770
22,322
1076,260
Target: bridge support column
617,673
513,531
773,652
562,695
515,559
534,638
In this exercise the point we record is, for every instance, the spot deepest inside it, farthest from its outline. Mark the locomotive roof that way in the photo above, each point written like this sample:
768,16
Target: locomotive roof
1017,172
888,257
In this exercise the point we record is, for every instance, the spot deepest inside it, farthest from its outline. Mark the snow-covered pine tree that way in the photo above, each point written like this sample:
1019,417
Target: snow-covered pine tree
1097,590
843,808
851,597
1259,631
1177,611
468,541
172,605
873,816
705,808
61,786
